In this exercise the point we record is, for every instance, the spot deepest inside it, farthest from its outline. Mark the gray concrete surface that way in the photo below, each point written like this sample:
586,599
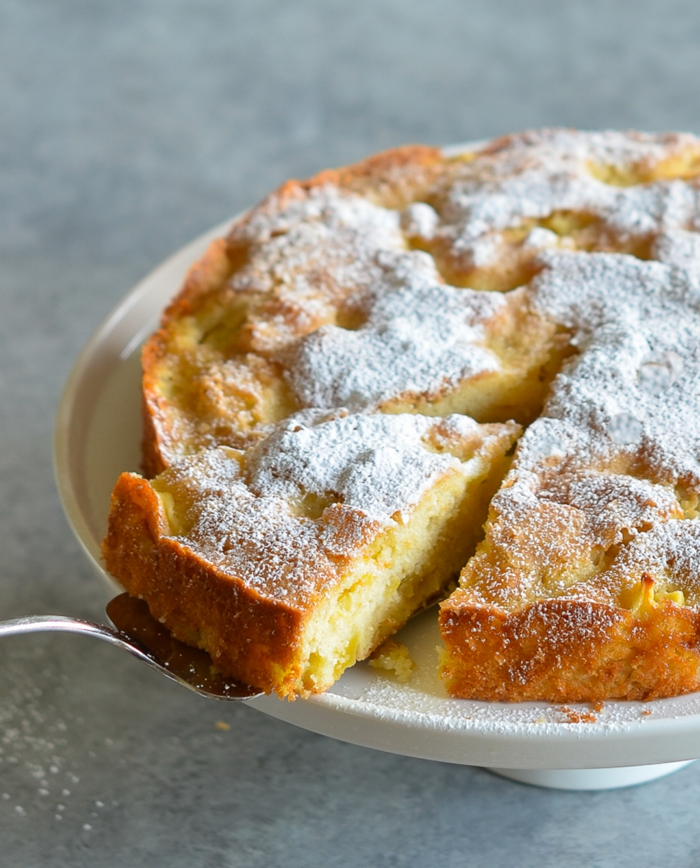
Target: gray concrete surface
126,129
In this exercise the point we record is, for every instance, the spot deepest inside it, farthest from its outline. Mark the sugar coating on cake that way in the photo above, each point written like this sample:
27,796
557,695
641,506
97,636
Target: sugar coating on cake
332,302
335,270
376,464
420,336
616,449
374,468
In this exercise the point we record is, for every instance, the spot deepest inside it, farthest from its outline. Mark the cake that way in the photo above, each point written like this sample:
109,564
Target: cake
430,307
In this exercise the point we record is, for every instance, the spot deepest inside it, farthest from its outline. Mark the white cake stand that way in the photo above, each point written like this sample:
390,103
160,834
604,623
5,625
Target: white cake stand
98,433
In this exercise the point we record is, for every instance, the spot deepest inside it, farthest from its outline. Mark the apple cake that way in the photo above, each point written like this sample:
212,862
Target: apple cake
331,400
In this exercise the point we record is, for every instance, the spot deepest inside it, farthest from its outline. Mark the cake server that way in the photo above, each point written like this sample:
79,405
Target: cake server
139,633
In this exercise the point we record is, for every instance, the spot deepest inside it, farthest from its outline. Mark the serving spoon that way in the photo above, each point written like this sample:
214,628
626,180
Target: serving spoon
139,633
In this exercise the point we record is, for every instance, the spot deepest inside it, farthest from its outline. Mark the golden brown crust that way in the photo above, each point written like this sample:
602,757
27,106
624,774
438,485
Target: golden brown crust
392,178
204,276
568,651
250,637
151,438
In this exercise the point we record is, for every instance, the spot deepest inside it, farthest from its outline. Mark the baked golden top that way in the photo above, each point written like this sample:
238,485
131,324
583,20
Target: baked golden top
283,515
356,288
614,454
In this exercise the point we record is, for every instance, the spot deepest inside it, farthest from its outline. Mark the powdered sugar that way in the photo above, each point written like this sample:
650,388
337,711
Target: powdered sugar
619,433
377,464
420,220
257,540
420,337
323,243
669,550
539,174
325,250
633,388
248,514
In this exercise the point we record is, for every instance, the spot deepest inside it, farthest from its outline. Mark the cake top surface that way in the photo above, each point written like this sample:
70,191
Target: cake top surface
285,514
380,465
360,285
616,450
327,246
364,288
419,335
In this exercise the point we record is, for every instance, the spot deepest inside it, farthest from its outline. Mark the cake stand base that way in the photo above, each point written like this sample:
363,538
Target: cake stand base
591,779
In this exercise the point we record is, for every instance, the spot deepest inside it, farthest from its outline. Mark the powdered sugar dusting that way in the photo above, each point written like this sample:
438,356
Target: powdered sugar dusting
537,174
669,550
363,473
258,540
315,254
420,337
324,251
377,464
628,317
619,435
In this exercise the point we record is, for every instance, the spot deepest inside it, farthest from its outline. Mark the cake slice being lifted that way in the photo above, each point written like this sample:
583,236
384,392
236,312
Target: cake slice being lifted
293,560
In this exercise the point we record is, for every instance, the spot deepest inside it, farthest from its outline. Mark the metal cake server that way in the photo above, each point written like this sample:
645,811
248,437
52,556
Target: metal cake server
139,633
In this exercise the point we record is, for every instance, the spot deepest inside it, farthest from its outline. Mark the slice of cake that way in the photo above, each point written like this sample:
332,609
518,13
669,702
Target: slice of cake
291,561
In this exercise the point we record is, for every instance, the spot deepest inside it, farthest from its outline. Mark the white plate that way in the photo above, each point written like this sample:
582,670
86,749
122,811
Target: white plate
98,433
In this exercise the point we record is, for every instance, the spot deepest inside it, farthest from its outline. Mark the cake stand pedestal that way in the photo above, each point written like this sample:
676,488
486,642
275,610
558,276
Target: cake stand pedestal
591,779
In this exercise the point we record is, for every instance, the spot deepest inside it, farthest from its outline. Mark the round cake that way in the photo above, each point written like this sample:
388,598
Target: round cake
332,404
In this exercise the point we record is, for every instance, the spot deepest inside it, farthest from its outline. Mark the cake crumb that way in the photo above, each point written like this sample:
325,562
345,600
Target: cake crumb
575,716
222,725
394,657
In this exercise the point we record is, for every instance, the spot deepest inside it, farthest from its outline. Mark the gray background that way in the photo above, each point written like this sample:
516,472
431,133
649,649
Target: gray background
127,129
